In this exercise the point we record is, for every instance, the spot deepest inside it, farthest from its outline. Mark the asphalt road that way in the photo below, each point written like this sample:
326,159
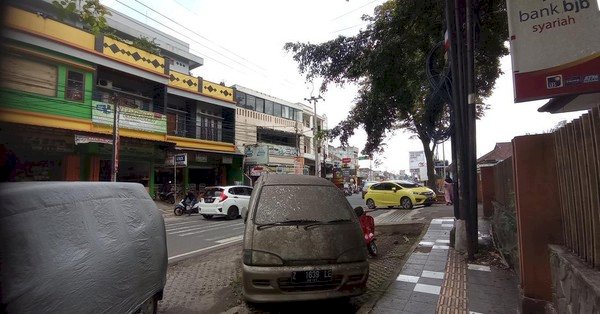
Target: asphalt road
193,235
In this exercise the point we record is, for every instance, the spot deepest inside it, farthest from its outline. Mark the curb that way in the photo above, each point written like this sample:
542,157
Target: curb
368,306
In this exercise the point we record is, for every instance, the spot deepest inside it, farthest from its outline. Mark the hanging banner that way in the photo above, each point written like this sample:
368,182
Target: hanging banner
554,46
129,118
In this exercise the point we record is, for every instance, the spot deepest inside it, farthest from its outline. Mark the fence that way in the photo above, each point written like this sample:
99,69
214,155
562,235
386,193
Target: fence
504,220
578,163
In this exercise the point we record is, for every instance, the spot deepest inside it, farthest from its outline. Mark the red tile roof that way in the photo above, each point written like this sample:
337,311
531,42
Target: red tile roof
499,153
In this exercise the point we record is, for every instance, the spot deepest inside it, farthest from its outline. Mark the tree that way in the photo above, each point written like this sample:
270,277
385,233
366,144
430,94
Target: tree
388,62
89,12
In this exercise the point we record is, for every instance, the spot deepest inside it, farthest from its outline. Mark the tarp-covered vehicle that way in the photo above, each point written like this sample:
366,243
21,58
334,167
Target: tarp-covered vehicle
80,247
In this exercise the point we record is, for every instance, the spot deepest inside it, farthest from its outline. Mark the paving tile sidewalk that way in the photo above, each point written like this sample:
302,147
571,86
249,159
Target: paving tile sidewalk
437,279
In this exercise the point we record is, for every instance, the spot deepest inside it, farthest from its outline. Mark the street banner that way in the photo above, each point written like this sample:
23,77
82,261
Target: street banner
256,155
129,118
555,47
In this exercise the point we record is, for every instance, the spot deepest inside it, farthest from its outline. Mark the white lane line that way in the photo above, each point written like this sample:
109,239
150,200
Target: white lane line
180,223
232,239
200,250
175,231
198,224
202,230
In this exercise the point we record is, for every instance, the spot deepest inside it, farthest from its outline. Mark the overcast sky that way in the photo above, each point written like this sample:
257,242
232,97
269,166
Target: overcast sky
242,43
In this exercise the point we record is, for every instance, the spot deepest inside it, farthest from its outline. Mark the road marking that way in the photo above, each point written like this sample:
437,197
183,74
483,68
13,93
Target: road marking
390,211
200,230
179,223
232,239
196,225
200,250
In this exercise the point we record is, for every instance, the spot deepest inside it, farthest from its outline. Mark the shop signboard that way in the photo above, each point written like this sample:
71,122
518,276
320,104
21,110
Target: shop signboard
346,160
282,151
86,139
554,47
256,155
129,118
180,160
201,158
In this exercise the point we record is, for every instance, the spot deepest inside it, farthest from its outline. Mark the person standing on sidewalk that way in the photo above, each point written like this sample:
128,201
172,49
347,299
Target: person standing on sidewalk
448,190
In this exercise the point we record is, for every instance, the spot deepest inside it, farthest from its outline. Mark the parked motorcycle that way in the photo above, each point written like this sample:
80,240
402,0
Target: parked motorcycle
367,224
347,192
167,194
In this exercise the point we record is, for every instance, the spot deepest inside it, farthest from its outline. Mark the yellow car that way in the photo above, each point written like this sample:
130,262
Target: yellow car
398,193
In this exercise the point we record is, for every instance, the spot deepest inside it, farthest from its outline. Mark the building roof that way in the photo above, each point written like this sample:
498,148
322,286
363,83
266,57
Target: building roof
571,103
499,153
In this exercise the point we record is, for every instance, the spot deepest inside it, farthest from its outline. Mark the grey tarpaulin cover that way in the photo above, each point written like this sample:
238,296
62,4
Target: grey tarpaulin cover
79,247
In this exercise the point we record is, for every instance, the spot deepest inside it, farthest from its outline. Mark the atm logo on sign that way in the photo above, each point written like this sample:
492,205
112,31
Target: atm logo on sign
554,81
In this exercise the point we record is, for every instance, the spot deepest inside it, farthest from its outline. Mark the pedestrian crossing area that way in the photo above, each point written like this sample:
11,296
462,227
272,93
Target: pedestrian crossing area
202,227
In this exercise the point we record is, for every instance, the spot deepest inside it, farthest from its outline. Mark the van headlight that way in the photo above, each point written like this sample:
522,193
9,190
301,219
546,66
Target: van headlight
260,258
356,254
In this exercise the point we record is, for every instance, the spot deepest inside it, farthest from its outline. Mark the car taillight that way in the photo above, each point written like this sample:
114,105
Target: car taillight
223,197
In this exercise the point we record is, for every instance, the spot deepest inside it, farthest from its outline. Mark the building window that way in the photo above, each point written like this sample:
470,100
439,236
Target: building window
26,75
260,105
268,107
209,128
277,110
75,84
240,98
250,102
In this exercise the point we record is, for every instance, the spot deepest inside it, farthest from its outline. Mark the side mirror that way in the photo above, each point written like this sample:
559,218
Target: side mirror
394,189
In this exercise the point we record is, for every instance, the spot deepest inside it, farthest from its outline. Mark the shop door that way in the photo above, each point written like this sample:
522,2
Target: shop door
105,170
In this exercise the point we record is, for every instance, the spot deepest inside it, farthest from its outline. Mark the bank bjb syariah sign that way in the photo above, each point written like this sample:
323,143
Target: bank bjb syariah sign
129,118
256,155
555,47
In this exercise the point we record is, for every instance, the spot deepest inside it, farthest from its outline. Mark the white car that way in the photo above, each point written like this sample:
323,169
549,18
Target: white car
228,201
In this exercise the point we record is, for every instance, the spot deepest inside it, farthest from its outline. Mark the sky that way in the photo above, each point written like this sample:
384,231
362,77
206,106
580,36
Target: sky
242,43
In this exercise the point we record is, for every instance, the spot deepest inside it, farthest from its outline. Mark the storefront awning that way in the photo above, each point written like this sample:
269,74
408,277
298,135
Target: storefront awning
208,151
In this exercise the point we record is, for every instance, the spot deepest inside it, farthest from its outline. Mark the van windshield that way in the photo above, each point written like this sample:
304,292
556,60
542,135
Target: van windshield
300,202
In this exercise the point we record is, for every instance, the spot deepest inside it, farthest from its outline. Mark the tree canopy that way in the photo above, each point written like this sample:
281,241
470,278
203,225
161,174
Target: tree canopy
387,61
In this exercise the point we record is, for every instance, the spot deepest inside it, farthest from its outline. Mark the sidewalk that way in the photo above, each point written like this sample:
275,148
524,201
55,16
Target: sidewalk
437,279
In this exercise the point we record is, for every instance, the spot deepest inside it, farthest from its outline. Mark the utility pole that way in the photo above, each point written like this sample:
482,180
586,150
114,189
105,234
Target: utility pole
116,141
459,19
314,101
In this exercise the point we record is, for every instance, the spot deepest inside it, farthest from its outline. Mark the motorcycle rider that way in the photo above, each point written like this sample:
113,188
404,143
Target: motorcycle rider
189,200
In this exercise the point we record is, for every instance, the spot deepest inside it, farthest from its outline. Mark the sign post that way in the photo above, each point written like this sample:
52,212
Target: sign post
178,160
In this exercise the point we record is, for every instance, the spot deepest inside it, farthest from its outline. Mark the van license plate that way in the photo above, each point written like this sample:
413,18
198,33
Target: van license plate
318,275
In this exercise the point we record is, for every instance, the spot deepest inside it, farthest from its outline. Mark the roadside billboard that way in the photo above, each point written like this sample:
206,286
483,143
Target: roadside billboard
554,46
418,164
256,155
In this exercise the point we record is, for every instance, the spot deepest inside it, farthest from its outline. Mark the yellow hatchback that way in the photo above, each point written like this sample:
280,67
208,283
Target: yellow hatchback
398,193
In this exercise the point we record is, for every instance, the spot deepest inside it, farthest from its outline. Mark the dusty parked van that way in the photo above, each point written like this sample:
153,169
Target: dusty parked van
302,242
80,247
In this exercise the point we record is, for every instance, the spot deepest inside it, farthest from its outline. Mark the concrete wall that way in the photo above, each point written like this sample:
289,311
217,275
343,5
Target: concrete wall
575,286
538,215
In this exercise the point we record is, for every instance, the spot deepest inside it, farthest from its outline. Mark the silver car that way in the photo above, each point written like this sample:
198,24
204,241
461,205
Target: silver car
302,242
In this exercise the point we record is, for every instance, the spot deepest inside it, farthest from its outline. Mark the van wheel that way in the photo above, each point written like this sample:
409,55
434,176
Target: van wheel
233,212
406,203
370,204
207,217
